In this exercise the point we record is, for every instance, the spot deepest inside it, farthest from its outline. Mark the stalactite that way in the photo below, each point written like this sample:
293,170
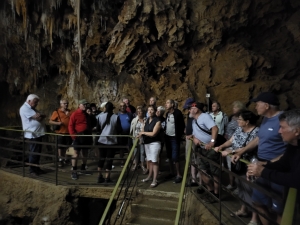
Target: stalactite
50,30
44,22
13,9
79,44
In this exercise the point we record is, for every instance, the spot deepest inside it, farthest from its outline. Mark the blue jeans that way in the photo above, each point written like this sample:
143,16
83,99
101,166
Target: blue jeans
35,148
173,148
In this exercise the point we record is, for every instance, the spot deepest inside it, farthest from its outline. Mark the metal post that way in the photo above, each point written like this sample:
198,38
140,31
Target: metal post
23,157
56,159
220,191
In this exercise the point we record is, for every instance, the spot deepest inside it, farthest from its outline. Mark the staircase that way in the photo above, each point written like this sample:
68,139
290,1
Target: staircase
154,207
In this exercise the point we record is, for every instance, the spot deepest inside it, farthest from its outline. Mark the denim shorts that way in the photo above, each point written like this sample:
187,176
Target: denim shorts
263,199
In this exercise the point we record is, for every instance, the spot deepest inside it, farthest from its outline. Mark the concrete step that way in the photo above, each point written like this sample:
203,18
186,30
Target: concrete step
157,208
150,221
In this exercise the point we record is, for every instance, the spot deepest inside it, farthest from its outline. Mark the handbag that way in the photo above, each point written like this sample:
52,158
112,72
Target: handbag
240,167
220,138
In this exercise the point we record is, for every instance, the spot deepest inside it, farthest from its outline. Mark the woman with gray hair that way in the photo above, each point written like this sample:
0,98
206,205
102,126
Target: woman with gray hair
137,126
160,115
231,127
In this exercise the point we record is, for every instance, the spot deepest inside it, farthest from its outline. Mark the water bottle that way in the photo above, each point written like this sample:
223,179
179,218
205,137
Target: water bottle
253,160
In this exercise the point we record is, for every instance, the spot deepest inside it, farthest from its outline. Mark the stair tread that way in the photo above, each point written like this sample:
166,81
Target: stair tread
150,221
156,203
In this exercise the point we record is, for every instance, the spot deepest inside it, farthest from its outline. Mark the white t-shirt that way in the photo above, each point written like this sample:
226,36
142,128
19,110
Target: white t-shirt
29,124
205,122
170,121
221,121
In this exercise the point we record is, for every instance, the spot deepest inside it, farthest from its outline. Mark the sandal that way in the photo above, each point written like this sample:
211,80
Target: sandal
153,185
146,179
145,171
239,213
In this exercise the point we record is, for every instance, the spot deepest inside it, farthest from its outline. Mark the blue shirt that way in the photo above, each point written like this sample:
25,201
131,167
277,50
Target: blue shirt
270,142
125,119
206,123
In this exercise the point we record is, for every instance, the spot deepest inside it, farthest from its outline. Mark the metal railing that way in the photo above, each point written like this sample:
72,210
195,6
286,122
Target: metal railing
126,200
12,144
290,203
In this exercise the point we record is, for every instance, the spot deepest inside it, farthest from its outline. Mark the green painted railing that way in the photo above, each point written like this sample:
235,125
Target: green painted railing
290,204
181,194
118,183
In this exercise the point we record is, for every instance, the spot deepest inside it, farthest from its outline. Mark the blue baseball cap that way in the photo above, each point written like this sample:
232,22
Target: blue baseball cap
188,103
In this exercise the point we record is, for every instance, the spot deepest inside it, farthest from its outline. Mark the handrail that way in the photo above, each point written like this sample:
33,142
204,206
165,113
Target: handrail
289,208
290,204
183,182
118,183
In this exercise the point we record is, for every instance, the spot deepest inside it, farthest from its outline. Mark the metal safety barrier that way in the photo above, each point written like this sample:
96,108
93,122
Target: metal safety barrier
290,202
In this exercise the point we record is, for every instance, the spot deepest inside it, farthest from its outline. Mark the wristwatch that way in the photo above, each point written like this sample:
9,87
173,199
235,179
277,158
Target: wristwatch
212,140
233,152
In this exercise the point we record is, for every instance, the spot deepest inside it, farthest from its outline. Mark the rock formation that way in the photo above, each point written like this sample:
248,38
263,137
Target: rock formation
103,50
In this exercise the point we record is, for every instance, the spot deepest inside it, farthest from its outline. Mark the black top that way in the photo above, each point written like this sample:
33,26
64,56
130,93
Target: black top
189,127
285,171
149,128
179,123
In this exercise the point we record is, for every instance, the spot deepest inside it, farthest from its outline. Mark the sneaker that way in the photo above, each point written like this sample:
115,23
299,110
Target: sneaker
177,180
33,174
108,181
192,184
84,172
236,191
60,163
67,162
74,176
253,223
229,187
167,160
170,176
100,179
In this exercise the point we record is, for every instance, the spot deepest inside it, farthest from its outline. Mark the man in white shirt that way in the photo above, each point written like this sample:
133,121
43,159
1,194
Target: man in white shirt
220,118
34,130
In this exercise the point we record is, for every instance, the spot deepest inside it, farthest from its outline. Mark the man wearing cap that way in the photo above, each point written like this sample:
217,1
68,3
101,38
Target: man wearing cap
203,124
270,148
80,124
189,134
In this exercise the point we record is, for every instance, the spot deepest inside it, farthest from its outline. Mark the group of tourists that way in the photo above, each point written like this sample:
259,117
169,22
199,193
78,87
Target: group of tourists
274,143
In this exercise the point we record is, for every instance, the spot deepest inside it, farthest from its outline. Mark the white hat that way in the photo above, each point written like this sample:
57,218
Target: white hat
103,104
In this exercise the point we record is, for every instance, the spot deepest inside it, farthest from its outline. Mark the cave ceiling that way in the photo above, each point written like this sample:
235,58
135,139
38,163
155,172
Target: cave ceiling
107,49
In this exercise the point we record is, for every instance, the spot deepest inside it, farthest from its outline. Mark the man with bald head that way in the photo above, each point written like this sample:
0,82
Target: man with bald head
34,130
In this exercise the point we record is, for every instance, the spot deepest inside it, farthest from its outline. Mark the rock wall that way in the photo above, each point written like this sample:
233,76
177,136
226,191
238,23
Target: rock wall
30,201
104,50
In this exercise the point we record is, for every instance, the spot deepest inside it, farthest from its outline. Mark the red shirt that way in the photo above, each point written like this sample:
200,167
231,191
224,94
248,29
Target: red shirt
78,122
